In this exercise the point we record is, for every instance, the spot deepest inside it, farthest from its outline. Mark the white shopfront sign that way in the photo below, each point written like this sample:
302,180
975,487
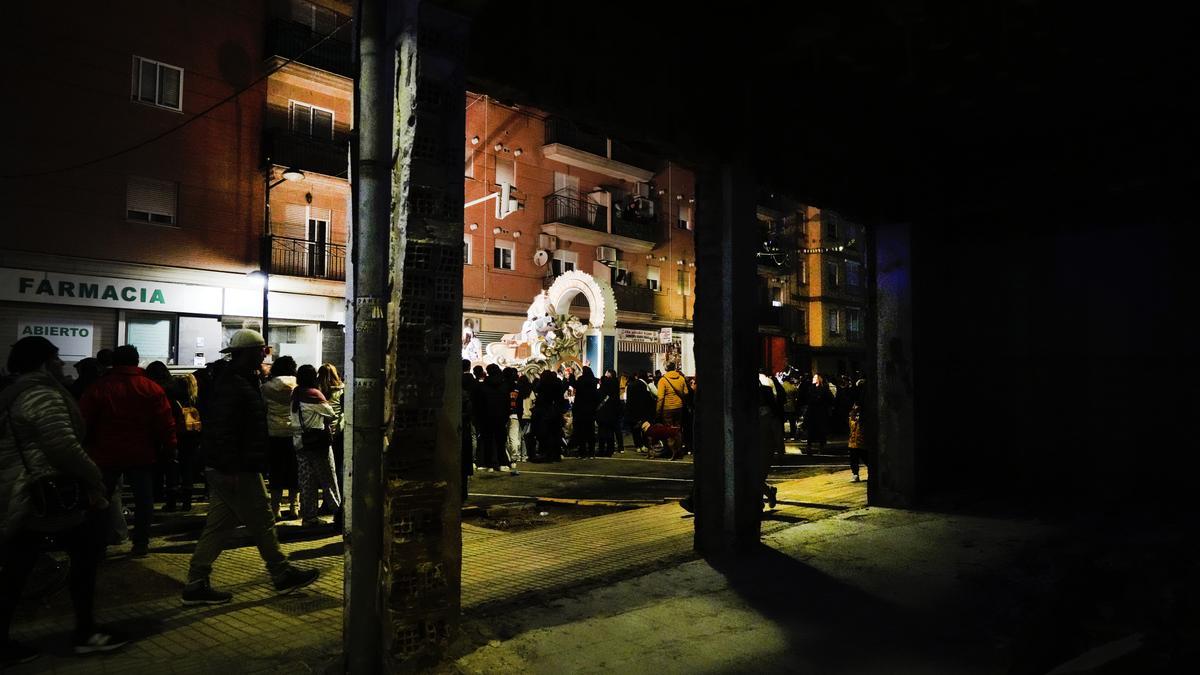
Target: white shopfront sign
77,289
248,302
73,339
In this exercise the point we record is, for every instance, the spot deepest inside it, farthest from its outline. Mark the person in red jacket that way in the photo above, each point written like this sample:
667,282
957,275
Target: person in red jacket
129,423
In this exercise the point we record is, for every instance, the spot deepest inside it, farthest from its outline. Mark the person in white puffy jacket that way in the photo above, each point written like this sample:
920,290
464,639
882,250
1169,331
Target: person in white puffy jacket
312,415
281,457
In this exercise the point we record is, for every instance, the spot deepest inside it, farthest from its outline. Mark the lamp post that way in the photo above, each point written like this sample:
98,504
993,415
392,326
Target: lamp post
289,174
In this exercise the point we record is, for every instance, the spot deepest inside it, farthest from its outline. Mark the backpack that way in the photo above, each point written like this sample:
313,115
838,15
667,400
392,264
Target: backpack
191,418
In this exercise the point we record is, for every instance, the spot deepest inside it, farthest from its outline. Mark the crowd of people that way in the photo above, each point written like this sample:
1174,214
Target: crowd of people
509,417
68,447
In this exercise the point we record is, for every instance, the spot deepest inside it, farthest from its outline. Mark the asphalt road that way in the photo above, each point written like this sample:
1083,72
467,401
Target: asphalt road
625,477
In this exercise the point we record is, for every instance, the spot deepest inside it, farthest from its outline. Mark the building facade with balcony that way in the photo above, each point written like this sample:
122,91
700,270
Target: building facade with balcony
812,289
139,221
585,202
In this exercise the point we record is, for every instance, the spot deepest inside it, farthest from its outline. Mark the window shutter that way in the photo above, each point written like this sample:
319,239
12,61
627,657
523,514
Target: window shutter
168,89
147,81
322,123
301,118
295,220
505,171
150,200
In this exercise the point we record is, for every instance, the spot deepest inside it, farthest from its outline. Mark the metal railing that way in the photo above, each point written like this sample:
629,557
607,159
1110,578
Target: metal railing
570,210
307,153
634,298
290,40
307,258
644,229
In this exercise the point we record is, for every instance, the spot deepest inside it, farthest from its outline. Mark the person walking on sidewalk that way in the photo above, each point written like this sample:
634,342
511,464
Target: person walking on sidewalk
235,452
281,451
770,428
311,418
816,417
855,442
41,434
130,427
608,415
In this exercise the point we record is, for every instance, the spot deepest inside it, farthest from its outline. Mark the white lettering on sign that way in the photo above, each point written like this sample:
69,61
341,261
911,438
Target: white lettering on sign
73,339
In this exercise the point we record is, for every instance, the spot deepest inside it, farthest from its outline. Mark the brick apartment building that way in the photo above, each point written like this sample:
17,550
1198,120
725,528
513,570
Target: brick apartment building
136,208
812,289
587,202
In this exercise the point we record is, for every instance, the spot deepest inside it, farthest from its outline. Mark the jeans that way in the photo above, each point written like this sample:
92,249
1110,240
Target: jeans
237,499
514,446
84,544
141,481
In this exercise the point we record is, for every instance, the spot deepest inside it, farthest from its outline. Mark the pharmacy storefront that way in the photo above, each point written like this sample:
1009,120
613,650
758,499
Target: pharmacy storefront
650,350
181,324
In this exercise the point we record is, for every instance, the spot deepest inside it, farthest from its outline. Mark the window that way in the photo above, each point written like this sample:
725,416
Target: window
652,279
566,185
776,296
620,273
853,274
469,163
684,281
151,334
506,172
318,236
803,269
564,261
468,244
685,217
157,84
854,324
830,227
150,201
802,320
502,255
308,120
832,274
834,327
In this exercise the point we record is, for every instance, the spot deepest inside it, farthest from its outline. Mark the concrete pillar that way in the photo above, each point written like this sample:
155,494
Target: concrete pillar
728,460
415,576
889,421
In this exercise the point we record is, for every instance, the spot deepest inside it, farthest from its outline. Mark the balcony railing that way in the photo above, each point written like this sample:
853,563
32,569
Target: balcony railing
633,227
634,298
570,210
307,258
307,153
291,40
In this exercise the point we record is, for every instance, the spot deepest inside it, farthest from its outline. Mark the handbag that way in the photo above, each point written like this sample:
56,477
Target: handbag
57,499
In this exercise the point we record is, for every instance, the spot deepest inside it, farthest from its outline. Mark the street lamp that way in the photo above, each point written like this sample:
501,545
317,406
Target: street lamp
289,174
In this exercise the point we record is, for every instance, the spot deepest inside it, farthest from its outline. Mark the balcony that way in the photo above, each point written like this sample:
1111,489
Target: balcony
569,144
634,299
306,258
289,39
315,155
575,218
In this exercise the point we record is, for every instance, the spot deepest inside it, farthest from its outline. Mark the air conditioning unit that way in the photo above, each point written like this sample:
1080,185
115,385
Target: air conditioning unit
606,254
548,242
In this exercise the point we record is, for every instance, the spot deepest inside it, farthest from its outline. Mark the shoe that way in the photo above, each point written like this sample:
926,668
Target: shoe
491,470
201,593
855,479
293,579
686,503
15,653
506,469
140,550
772,492
99,641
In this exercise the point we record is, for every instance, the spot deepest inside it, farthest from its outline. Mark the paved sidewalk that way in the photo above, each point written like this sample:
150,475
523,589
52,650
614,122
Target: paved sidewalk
262,633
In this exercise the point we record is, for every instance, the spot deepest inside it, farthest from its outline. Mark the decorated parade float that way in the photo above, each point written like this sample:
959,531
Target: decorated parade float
551,336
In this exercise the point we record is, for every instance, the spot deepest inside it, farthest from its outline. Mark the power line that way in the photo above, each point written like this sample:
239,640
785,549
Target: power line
206,111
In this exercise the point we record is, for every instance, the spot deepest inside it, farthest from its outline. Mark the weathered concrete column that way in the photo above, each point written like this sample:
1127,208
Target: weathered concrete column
889,421
415,573
728,460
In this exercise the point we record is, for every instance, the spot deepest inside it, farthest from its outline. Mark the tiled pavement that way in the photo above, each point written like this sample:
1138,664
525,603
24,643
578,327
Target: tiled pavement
262,633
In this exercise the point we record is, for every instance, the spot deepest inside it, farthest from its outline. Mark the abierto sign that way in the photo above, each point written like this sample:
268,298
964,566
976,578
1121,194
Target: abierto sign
73,339
76,289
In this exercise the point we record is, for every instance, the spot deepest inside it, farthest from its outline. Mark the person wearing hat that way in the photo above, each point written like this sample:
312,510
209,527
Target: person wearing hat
235,452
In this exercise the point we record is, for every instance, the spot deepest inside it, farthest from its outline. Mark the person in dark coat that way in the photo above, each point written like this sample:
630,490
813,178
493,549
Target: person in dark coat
493,420
816,417
608,415
639,407
548,411
468,446
583,412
